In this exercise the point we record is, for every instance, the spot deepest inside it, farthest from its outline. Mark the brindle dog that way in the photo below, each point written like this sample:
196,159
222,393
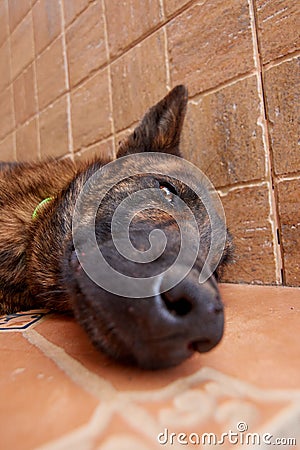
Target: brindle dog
39,266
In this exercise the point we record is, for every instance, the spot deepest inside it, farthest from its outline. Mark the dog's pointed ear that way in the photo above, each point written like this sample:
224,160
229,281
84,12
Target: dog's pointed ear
160,128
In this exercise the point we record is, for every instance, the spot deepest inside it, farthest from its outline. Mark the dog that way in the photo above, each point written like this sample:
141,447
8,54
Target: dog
40,267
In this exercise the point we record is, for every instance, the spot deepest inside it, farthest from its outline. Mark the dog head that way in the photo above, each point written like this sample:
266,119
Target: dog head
161,319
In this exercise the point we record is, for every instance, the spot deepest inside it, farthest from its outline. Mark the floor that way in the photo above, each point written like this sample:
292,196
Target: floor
57,392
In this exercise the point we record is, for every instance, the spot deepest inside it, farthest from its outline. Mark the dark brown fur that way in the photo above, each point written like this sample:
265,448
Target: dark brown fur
35,253
22,239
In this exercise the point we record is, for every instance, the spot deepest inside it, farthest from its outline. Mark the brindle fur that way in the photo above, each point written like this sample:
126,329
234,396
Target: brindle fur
35,254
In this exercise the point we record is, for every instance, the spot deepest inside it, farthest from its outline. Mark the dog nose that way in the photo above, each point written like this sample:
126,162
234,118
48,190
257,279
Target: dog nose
198,310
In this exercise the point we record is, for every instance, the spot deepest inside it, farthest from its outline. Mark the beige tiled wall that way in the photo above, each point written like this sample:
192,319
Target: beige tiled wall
75,75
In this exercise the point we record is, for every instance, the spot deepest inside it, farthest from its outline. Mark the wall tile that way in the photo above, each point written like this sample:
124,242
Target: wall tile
24,95
73,8
282,85
91,115
103,150
7,148
135,85
221,134
22,46
86,43
7,122
210,43
3,21
128,21
27,141
247,213
50,72
54,129
17,10
47,23
5,75
278,27
289,211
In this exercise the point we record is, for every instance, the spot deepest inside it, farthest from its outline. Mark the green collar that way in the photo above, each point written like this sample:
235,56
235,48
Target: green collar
42,203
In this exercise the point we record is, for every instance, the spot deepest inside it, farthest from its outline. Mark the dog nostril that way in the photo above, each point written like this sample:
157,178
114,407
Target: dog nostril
214,308
178,307
218,308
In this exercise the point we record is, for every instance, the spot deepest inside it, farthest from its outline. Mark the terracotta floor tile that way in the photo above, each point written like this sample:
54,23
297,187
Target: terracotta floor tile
253,315
120,432
259,344
142,425
66,333
38,401
58,392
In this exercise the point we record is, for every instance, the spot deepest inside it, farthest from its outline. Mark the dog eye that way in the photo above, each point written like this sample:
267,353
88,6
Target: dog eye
169,196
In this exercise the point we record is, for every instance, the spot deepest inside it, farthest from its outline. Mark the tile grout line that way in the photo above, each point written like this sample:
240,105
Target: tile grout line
110,89
85,435
281,60
11,87
78,14
67,81
164,30
227,83
89,146
90,382
144,422
262,121
287,177
131,400
225,190
95,385
37,115
24,17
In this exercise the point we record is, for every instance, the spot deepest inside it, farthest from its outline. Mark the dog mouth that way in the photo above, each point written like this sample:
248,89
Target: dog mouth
130,349
201,345
133,338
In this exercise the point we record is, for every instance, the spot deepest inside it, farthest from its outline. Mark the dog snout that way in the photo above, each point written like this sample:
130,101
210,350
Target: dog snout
198,310
152,332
